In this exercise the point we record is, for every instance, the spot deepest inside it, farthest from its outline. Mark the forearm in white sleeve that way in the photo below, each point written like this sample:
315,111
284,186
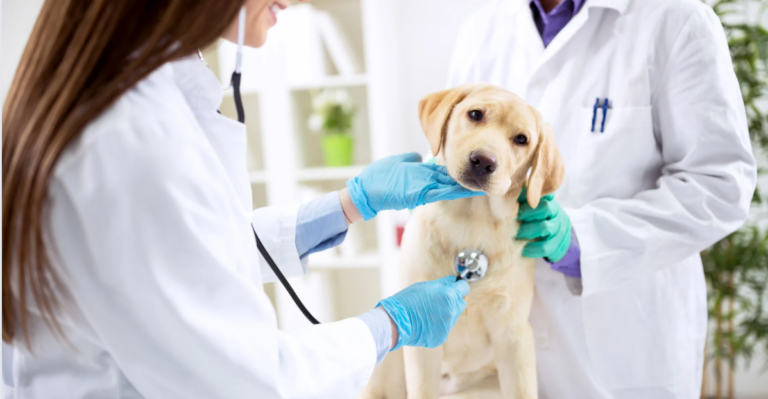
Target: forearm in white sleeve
163,280
276,227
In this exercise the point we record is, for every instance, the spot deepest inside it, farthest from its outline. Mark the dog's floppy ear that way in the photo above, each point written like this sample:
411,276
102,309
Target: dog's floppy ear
435,110
548,169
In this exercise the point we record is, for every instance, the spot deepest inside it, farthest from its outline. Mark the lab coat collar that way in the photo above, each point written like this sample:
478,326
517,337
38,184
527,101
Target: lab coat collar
576,6
619,5
527,27
198,83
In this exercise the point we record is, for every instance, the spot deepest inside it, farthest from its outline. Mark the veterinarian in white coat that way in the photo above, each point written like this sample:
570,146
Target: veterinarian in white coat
148,223
667,174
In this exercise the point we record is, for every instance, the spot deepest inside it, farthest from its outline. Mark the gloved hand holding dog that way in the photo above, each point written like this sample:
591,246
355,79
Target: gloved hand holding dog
547,226
402,182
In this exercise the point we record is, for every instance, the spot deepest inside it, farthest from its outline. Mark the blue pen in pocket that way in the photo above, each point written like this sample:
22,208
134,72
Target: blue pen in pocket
594,113
605,114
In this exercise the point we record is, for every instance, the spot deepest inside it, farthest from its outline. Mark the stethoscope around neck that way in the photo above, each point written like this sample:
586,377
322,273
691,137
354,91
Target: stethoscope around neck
234,83
471,264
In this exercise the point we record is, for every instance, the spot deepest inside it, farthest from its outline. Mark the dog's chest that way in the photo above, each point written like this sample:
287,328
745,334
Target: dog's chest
441,233
444,230
468,347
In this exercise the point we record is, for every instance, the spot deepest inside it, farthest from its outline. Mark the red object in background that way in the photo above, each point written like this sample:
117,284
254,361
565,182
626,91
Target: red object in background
399,230
401,219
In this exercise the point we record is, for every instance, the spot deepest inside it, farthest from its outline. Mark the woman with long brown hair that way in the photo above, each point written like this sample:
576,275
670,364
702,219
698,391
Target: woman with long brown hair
129,262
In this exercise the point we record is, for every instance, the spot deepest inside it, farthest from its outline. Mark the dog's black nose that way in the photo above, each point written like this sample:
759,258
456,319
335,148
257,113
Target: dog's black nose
483,164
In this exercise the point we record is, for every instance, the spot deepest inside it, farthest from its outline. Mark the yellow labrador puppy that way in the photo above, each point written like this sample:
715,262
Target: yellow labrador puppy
489,139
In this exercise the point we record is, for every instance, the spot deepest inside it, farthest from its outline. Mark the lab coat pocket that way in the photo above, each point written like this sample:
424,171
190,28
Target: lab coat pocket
617,161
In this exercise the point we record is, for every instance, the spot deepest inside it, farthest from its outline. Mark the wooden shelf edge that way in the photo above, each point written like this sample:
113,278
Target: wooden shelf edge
257,177
331,81
327,82
244,92
368,261
328,173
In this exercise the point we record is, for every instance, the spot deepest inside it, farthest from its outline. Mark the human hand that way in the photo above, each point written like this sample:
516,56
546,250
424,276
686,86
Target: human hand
547,226
402,182
425,313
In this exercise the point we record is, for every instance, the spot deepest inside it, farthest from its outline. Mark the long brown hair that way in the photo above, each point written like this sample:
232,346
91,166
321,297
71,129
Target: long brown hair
81,57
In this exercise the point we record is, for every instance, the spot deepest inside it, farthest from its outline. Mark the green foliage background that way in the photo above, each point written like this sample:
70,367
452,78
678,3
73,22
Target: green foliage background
337,119
736,268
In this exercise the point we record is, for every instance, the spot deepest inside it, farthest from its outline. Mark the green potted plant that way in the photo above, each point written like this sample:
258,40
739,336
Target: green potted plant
736,268
333,116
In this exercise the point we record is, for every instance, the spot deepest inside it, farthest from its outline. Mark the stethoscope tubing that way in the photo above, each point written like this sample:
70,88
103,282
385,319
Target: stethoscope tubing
283,280
235,83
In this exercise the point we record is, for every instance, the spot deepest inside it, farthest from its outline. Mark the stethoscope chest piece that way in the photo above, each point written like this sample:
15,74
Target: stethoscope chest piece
471,264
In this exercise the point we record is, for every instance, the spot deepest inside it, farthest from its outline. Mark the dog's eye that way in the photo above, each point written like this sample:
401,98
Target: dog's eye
475,115
521,139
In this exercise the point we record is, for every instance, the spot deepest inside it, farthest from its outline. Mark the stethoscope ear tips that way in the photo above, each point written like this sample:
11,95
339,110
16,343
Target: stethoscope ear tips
471,265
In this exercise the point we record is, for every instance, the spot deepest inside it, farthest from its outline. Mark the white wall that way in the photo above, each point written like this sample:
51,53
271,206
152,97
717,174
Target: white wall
427,31
18,17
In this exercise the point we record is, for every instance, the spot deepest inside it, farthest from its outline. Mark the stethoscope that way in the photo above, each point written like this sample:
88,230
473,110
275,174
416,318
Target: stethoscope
235,86
471,264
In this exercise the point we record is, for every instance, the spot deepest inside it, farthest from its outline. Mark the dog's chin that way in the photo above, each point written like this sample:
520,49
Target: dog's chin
497,190
486,186
471,183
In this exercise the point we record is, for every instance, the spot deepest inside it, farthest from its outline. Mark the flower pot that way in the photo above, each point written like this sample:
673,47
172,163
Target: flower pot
337,149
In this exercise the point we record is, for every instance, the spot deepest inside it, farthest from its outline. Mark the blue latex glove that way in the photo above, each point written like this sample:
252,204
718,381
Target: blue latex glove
548,226
400,182
425,313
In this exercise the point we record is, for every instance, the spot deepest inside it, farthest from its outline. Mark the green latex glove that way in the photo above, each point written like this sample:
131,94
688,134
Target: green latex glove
548,227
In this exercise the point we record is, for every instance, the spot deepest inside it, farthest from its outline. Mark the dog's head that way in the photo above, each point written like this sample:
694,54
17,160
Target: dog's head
489,138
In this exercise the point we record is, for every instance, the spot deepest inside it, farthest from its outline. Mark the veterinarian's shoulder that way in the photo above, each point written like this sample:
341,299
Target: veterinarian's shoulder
669,28
485,19
666,12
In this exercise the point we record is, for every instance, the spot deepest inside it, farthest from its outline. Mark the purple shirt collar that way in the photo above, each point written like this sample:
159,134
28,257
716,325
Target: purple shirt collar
549,25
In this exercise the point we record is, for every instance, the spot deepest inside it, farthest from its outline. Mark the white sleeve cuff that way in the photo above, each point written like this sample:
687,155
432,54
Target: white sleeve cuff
377,321
276,227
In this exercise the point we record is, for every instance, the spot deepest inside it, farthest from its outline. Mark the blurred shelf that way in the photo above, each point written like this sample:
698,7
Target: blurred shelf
332,81
328,173
364,261
257,177
244,92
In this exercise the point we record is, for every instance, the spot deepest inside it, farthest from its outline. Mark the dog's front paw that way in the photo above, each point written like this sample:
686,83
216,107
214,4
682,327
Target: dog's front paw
449,385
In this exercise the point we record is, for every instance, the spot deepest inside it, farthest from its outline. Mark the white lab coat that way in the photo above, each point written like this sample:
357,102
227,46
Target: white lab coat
150,214
672,173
